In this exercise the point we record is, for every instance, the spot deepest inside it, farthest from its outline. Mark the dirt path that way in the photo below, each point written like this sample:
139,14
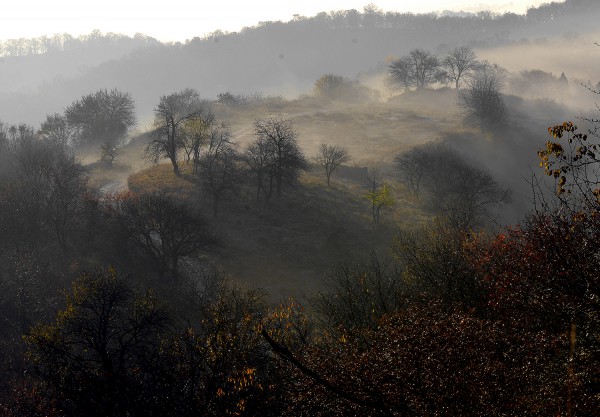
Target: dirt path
113,187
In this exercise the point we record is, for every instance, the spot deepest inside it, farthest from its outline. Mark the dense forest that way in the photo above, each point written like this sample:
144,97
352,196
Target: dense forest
363,213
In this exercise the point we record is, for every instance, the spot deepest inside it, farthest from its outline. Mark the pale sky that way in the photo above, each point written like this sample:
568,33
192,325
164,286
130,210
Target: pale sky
178,20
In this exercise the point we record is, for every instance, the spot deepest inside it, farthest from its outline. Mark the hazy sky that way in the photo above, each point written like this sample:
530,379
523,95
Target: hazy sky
172,20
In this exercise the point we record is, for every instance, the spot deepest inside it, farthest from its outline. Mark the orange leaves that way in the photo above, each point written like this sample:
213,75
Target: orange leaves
568,164
559,130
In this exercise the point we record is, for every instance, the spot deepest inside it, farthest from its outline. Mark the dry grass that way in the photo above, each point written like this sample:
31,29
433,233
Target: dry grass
162,177
372,131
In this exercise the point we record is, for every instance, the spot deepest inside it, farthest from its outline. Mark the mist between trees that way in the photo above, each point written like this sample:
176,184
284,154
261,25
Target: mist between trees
339,253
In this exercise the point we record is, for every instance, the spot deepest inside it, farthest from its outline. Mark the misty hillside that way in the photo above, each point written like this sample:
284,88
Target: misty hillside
42,76
353,214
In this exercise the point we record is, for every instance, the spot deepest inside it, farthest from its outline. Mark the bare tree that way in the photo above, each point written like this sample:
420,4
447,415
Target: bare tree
278,138
102,119
196,134
219,171
458,191
170,116
426,68
474,193
258,159
482,99
410,169
330,157
459,63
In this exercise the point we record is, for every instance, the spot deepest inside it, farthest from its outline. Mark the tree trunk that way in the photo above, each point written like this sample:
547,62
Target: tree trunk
175,167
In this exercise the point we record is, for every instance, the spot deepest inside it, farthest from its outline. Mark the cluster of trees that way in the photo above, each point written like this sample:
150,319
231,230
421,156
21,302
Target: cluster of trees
372,18
96,120
420,68
369,18
536,83
480,97
461,323
42,188
65,42
114,350
183,123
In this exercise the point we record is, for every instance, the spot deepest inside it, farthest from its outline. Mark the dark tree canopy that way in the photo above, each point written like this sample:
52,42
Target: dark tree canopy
163,227
98,355
56,129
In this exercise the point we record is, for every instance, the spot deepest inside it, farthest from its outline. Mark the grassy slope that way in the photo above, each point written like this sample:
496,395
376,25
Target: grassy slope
289,245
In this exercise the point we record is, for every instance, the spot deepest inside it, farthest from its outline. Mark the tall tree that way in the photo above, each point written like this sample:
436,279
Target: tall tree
102,119
196,135
281,142
482,99
170,116
330,157
258,158
419,69
459,63
400,72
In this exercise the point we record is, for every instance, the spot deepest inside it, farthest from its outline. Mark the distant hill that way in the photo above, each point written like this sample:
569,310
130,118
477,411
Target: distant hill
41,76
